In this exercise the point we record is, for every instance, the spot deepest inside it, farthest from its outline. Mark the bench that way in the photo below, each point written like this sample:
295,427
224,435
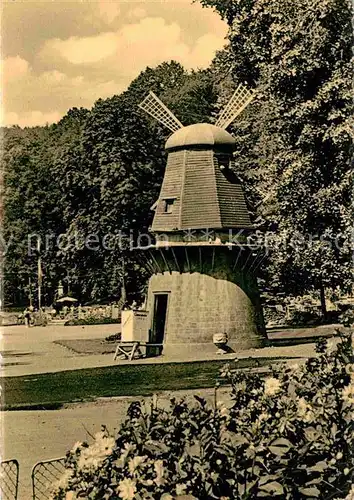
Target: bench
129,349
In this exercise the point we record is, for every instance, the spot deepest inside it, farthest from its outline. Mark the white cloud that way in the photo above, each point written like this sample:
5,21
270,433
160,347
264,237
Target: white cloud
49,94
204,50
134,46
14,67
31,118
137,12
108,10
77,70
84,50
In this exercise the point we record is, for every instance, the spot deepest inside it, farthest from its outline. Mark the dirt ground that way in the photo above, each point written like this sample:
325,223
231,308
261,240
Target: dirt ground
32,436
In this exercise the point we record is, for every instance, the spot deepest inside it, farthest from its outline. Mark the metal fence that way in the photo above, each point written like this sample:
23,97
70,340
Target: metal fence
9,473
44,474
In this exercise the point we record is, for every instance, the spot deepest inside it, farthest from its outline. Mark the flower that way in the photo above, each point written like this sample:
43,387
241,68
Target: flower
304,410
159,471
263,416
70,495
331,346
63,481
126,489
271,386
225,372
350,494
76,447
348,394
224,411
180,489
350,369
135,463
240,386
93,456
154,401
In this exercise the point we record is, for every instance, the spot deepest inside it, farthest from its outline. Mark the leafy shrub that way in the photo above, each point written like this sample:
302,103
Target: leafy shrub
288,436
91,320
304,318
347,317
115,337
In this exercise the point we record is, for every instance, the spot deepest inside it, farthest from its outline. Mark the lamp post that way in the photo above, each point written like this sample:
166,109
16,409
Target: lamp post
40,274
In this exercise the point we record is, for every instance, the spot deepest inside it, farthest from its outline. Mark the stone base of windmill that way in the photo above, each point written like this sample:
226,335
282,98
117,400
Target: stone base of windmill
207,313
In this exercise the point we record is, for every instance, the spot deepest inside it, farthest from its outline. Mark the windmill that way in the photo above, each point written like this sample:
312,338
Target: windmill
200,282
184,203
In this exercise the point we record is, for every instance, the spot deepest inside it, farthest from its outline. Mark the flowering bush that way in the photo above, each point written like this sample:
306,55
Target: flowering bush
289,436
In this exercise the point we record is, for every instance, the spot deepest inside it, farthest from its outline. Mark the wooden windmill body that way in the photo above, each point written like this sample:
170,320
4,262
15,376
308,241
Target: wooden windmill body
201,283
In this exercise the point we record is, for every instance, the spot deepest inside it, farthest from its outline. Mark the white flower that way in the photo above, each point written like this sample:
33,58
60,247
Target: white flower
135,463
63,481
159,471
348,394
331,345
304,410
76,447
350,495
302,407
241,386
271,386
224,411
154,401
350,369
263,416
93,456
126,489
180,489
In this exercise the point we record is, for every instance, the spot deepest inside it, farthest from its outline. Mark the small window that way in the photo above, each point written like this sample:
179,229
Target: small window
168,206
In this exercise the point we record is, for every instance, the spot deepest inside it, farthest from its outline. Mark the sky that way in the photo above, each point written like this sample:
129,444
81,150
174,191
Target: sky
56,55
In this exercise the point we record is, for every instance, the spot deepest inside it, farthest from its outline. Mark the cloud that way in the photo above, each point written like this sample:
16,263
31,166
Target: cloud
137,12
49,94
72,71
134,46
31,118
82,50
108,10
14,67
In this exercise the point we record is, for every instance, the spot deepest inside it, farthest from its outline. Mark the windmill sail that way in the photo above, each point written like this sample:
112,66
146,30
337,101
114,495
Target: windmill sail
238,102
157,109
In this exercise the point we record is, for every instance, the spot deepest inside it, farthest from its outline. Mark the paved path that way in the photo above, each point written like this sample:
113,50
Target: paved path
32,350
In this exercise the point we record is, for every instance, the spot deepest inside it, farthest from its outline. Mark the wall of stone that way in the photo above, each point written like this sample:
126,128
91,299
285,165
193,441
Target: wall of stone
203,304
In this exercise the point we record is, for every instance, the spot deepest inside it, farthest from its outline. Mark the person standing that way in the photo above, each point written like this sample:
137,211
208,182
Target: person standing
27,316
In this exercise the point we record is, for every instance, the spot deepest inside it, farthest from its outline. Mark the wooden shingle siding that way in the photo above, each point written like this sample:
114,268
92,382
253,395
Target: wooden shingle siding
171,188
203,197
233,208
200,208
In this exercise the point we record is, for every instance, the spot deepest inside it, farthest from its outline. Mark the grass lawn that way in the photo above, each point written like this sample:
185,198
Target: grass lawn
88,346
51,390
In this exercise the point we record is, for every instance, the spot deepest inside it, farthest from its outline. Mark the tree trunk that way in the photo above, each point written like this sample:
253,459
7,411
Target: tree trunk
323,301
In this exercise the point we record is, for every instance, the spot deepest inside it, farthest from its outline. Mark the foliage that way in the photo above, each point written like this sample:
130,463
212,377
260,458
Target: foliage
287,436
93,175
294,140
97,172
91,320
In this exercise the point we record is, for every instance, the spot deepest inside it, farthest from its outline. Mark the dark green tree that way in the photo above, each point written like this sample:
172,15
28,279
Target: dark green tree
294,141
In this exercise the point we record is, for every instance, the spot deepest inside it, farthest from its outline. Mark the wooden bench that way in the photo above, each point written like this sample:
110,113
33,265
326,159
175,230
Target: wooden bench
129,349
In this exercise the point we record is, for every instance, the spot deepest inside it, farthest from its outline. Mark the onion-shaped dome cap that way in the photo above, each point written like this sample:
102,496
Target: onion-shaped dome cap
201,134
